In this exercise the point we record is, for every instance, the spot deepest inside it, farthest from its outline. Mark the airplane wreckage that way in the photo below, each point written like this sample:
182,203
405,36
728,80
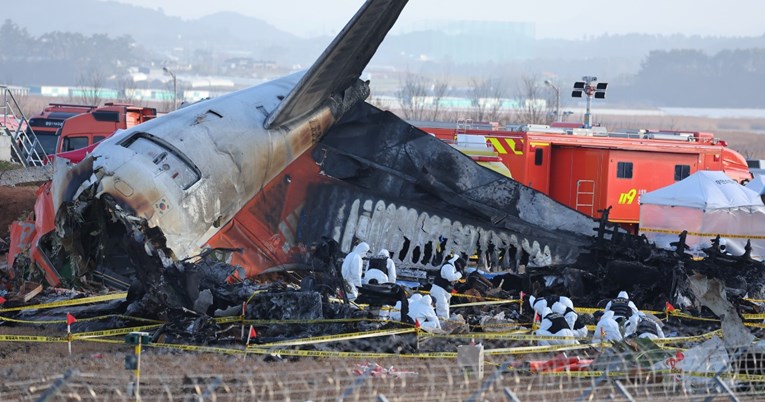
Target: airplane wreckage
265,188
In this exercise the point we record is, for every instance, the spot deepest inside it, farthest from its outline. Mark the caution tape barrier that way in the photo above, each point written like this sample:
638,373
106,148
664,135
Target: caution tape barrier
238,319
89,319
507,336
709,235
520,350
338,337
113,332
486,303
695,338
71,302
31,338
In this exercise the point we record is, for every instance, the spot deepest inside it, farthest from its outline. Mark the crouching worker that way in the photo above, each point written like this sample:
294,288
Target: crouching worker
648,328
625,312
607,330
554,324
444,284
382,269
421,309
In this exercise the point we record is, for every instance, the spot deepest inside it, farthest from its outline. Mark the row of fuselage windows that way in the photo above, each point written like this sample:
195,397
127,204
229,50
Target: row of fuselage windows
624,171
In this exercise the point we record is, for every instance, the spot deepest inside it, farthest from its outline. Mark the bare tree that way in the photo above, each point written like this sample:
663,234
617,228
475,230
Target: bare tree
127,89
411,96
533,105
439,90
90,86
487,96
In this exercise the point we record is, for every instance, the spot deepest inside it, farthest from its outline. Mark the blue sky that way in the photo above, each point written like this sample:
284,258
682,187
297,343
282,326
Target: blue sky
553,18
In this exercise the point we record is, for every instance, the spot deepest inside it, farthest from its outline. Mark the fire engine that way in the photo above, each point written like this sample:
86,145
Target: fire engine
592,169
79,134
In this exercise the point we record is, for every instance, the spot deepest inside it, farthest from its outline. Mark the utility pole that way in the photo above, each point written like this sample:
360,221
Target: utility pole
557,98
175,87
589,88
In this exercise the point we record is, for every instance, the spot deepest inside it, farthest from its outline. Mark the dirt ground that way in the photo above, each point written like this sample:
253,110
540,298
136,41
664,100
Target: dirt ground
13,202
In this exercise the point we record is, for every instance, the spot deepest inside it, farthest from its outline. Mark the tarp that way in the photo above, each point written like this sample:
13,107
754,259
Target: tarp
706,204
705,190
757,184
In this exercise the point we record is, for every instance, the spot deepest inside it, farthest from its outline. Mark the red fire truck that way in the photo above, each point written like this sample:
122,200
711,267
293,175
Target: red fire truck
592,169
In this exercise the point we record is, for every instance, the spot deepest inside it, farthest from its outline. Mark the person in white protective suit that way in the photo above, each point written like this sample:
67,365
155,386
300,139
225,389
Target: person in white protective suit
381,269
607,329
395,314
540,304
422,310
572,318
444,284
352,268
625,312
554,324
648,328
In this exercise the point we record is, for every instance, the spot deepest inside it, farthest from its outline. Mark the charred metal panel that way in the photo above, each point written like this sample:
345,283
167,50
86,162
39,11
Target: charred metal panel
406,190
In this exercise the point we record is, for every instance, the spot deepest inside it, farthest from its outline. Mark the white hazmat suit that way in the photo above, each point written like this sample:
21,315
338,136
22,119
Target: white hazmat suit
625,312
580,330
608,328
448,275
352,268
554,324
422,310
381,276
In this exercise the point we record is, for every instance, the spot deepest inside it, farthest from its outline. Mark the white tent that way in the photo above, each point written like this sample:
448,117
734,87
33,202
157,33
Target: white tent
706,204
757,184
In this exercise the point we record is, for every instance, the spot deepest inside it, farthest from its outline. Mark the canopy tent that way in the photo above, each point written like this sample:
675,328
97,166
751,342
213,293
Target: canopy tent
757,184
706,204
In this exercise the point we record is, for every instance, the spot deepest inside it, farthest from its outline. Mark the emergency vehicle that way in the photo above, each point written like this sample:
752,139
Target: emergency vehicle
592,169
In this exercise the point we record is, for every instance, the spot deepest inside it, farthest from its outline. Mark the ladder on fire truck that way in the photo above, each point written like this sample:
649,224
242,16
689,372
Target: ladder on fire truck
25,148
585,196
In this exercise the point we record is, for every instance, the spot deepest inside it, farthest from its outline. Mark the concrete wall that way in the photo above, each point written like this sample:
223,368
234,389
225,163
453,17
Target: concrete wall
5,148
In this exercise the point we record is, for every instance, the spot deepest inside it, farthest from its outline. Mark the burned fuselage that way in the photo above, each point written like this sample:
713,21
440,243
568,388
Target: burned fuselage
248,171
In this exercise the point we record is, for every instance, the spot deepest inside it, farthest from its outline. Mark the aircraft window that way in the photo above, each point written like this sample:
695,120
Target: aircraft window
72,143
624,170
682,171
538,156
167,159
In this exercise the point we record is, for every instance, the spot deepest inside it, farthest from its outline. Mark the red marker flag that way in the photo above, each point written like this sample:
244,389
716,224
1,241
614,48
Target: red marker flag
417,324
2,300
668,307
70,319
253,334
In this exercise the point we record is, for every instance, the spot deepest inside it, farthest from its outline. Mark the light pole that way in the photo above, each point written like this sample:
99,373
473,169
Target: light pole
557,98
590,89
175,87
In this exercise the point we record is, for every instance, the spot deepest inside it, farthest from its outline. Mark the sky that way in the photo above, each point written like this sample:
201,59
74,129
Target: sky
553,18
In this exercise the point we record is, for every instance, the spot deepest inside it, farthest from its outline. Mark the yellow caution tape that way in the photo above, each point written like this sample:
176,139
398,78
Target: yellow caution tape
695,338
112,332
89,319
709,235
592,310
503,336
486,303
72,302
753,316
540,349
338,337
238,319
31,338
352,355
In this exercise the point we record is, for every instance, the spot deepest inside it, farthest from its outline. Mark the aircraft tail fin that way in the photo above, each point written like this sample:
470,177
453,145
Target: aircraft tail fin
341,64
